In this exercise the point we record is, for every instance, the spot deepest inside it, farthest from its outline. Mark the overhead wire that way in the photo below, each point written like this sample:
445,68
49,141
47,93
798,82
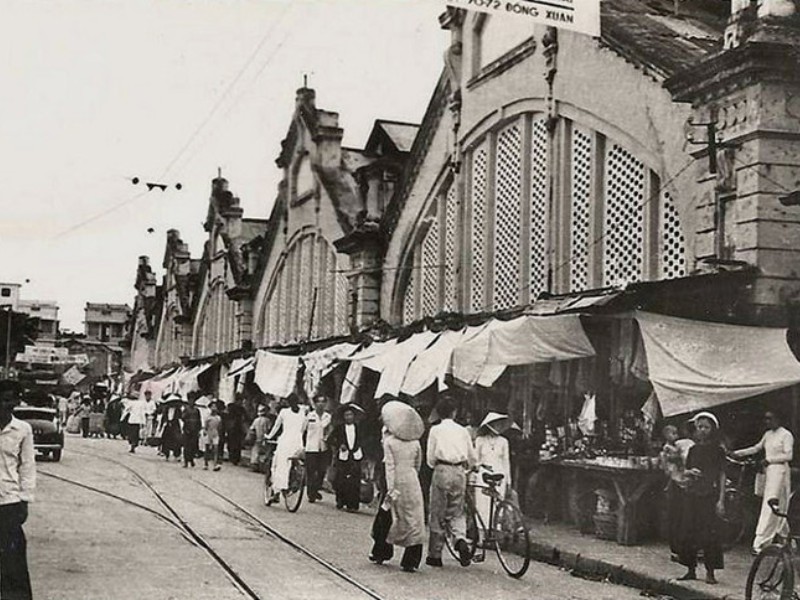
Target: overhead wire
226,92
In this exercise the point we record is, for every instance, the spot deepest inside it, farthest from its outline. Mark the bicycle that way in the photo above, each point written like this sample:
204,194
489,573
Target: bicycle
771,575
741,503
293,495
507,534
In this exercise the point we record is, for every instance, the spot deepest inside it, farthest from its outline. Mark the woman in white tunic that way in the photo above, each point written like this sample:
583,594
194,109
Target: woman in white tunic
291,422
778,446
493,455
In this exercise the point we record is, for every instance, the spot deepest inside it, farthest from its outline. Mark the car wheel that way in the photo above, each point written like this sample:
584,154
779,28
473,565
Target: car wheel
57,455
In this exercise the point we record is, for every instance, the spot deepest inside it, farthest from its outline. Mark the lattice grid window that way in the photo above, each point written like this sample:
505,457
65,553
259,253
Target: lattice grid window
430,270
508,218
479,226
285,290
330,294
623,223
304,288
410,295
673,252
538,258
580,224
450,249
340,319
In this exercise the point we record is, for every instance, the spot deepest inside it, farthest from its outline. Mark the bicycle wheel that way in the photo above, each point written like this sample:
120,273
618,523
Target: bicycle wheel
771,576
734,520
511,540
293,496
474,527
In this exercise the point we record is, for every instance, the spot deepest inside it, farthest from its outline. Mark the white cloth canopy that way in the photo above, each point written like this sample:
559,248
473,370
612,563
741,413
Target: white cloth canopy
371,356
697,364
321,362
434,363
395,361
240,366
521,341
276,374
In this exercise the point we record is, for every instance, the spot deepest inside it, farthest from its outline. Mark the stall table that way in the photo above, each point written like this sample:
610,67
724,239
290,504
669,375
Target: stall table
630,484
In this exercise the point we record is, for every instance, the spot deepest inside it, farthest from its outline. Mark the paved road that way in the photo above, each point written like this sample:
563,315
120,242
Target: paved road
89,546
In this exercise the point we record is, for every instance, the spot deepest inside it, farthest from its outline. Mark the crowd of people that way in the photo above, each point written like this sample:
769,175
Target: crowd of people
332,443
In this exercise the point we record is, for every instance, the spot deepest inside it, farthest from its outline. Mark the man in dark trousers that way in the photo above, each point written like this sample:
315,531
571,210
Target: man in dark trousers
17,483
345,441
234,422
192,423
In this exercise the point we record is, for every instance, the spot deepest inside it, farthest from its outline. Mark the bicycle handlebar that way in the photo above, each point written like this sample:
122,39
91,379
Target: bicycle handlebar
741,462
774,505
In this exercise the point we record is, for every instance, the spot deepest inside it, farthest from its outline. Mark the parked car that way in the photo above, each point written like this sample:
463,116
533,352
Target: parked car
48,433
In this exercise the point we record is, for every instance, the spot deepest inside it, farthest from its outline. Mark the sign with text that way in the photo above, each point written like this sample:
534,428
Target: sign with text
582,16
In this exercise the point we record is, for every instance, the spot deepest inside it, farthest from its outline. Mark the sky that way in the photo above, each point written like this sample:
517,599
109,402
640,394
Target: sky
97,92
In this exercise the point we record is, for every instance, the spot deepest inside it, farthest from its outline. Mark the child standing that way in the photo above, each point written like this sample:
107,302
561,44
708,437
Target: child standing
211,432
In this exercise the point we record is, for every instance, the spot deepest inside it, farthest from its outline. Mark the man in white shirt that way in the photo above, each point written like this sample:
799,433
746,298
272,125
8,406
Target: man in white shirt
450,454
777,444
136,417
318,422
17,484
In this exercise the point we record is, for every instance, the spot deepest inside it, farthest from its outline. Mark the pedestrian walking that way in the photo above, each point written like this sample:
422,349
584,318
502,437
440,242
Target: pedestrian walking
259,429
17,485
192,424
135,419
112,417
346,440
450,454
171,435
234,423
84,414
212,430
150,409
402,455
492,454
704,502
63,408
777,444
291,423
317,456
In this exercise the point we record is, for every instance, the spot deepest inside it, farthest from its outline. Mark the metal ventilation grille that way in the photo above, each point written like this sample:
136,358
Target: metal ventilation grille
340,314
410,295
673,257
430,270
303,305
580,220
450,241
539,221
329,294
318,284
623,223
508,223
478,228
285,283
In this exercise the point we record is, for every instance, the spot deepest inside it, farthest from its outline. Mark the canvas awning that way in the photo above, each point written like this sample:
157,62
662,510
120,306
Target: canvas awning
521,341
696,364
395,361
435,362
276,374
321,362
240,366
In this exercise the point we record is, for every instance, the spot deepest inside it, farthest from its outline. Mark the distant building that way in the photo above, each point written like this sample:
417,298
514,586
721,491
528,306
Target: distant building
106,322
46,314
45,311
9,294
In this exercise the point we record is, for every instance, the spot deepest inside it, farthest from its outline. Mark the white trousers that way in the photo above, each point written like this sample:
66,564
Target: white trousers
777,485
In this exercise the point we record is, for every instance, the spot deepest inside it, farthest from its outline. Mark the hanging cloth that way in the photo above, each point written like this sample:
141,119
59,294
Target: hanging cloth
697,364
276,374
588,416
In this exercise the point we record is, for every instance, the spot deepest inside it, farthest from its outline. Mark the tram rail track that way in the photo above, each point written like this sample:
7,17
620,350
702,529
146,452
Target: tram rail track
195,538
